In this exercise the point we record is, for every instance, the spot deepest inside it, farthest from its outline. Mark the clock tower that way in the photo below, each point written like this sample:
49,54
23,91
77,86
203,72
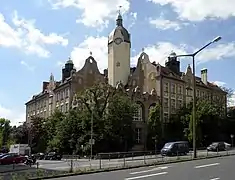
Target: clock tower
119,52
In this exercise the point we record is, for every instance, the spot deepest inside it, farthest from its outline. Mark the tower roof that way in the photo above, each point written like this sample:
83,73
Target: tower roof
69,61
119,29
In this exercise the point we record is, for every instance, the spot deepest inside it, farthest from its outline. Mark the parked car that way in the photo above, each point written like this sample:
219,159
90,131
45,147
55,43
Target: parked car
53,156
39,156
217,146
12,158
175,148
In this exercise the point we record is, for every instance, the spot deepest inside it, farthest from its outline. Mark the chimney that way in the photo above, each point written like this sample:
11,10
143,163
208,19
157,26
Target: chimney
204,76
44,86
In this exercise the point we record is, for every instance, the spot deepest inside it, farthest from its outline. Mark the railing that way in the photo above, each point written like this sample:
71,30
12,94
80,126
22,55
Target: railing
105,160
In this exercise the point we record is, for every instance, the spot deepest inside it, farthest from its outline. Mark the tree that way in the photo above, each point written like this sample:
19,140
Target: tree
68,132
207,122
37,134
230,93
52,122
154,127
178,127
5,130
119,122
111,112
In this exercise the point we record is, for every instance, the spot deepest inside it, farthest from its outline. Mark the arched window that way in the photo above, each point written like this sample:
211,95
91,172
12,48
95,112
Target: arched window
138,115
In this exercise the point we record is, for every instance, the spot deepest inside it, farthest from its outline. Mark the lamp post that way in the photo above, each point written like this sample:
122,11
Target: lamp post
194,89
91,140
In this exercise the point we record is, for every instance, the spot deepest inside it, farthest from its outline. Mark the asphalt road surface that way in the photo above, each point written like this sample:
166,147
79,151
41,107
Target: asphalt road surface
221,168
95,164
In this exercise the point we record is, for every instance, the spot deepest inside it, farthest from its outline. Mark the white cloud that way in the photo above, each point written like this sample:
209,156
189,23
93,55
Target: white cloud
15,117
94,12
132,19
218,52
160,52
30,68
165,24
25,36
198,10
96,45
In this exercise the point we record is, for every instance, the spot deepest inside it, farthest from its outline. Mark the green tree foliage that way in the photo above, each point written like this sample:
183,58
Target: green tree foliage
111,112
5,130
37,134
154,127
208,120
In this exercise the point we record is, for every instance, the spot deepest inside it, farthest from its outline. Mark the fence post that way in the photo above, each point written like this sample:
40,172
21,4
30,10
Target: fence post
144,159
37,165
100,161
132,156
207,153
71,165
124,160
13,165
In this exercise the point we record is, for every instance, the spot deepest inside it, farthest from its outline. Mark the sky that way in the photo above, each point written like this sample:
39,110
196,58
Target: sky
38,36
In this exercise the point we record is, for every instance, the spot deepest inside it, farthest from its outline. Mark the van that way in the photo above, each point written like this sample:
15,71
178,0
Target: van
175,148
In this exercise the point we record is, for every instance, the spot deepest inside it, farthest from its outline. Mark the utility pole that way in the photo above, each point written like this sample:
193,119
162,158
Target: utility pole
91,140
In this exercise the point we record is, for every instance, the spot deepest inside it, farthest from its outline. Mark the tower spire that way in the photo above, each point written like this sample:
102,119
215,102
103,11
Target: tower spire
119,18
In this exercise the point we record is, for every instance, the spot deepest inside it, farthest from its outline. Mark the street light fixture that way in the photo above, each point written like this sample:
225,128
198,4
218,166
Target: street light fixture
194,89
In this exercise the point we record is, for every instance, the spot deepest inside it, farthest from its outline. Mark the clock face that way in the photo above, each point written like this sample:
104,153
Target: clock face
118,41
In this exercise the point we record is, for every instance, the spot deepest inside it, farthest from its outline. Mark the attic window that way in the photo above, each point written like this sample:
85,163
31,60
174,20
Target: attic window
142,56
90,60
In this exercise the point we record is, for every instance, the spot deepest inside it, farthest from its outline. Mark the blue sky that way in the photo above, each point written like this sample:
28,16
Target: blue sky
38,36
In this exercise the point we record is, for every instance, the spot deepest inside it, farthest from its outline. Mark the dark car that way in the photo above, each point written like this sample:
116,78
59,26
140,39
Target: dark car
39,156
175,148
53,156
217,146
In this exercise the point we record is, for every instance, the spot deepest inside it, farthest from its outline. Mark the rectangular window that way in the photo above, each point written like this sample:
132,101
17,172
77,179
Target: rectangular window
165,117
180,89
166,87
166,103
138,135
66,107
138,113
173,89
180,103
198,93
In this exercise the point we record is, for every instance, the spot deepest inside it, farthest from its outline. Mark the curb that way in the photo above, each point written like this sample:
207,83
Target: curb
123,168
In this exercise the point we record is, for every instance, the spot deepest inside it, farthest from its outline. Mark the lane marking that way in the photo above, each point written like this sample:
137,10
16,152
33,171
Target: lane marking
215,178
207,165
150,170
145,176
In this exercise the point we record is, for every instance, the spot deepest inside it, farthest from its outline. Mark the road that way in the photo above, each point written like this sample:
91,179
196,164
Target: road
207,169
95,164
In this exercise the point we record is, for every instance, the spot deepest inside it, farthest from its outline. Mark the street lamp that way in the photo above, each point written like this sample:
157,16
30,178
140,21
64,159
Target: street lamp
194,89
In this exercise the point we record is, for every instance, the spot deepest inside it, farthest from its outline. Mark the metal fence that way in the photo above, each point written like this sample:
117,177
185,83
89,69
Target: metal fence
129,159
109,160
